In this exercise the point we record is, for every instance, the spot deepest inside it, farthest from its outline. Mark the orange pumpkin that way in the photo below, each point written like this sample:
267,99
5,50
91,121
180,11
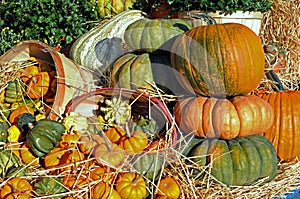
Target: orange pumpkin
28,72
169,187
74,181
87,142
15,114
102,173
27,156
69,140
38,85
137,142
103,190
115,134
131,185
16,188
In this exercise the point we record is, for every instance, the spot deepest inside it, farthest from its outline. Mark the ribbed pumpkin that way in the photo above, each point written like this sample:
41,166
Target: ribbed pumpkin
223,118
240,161
137,71
148,35
285,131
102,45
219,60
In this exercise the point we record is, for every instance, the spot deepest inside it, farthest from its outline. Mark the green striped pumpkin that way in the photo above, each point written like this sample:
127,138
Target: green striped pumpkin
98,48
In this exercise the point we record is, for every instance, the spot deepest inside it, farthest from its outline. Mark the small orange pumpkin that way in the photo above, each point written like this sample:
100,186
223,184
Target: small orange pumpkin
115,134
69,140
38,85
27,156
87,142
103,190
137,142
28,72
169,187
15,114
17,187
102,173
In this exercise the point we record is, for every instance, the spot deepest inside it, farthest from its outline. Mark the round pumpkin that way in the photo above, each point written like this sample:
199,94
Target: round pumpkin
224,118
131,185
16,188
285,131
102,190
148,35
219,60
136,143
169,187
239,161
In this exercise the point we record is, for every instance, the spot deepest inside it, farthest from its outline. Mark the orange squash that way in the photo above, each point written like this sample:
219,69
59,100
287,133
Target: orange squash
169,187
137,142
38,85
103,190
15,114
27,156
16,188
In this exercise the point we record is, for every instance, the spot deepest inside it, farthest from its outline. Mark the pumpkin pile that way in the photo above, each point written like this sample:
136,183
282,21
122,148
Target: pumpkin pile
219,127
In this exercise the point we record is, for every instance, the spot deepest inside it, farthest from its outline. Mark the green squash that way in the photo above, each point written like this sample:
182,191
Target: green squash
149,165
47,186
143,71
14,92
44,136
148,35
236,162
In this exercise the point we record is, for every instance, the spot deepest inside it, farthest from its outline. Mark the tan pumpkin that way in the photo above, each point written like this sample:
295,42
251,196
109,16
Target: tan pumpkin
224,118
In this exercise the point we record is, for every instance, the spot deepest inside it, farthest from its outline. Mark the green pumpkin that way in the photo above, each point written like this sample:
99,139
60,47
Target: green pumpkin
148,35
142,71
44,136
148,164
13,92
240,161
8,160
3,131
47,186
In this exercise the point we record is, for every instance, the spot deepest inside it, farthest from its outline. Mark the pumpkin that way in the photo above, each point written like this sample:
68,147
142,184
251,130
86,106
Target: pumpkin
103,190
285,131
38,85
8,160
103,173
169,187
29,72
14,91
239,161
143,71
16,188
108,8
44,136
46,186
137,142
131,185
224,118
14,134
219,60
88,142
76,181
115,134
148,164
14,115
101,46
109,154
148,35
69,141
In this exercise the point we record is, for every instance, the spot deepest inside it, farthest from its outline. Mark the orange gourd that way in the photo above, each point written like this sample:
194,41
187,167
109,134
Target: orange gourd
16,188
38,85
169,187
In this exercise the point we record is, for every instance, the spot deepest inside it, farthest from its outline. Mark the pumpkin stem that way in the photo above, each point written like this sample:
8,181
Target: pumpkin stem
271,75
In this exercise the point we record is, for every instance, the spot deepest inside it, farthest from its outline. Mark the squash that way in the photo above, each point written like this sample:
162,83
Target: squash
148,164
14,91
138,71
169,187
239,161
285,131
44,136
219,60
148,35
131,185
223,118
16,188
103,190
108,8
88,142
136,143
46,186
101,46
15,114
27,156
38,85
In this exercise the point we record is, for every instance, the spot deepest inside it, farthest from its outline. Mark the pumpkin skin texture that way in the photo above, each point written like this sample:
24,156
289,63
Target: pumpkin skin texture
285,131
18,187
103,190
223,118
148,35
169,187
240,161
219,60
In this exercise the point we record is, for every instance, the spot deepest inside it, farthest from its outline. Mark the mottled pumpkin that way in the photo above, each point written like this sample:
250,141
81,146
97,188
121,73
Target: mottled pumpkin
224,118
219,60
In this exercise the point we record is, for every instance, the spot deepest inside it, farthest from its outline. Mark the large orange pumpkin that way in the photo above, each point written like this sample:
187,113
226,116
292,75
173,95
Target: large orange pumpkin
285,131
219,60
224,118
